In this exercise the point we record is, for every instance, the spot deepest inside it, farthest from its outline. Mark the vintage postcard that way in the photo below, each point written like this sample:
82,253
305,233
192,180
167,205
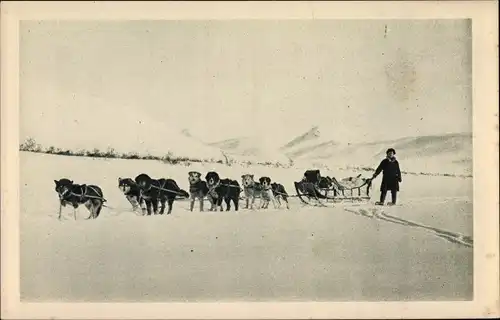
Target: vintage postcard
249,160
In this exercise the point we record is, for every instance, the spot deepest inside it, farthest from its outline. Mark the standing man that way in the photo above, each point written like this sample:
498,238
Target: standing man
391,177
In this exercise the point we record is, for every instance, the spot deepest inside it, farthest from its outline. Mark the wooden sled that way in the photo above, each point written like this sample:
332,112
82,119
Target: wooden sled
316,190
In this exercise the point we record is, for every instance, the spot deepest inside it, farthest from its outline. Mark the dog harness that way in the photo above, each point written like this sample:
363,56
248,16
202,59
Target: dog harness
254,186
161,188
212,192
82,196
265,193
193,188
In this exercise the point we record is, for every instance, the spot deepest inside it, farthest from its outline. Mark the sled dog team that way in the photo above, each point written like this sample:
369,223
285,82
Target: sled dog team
152,195
152,192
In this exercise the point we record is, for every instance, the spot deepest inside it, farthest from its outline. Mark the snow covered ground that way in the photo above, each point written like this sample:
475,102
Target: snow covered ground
420,250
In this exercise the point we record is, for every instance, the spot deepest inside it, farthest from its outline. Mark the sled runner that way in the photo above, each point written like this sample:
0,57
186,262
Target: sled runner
314,189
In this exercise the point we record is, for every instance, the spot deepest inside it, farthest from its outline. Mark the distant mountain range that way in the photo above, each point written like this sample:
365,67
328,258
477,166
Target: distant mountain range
432,153
72,126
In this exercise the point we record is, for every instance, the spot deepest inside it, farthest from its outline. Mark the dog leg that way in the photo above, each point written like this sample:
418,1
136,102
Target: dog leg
247,202
158,204
75,206
144,206
131,200
94,207
135,207
211,201
286,202
261,203
202,202
97,209
274,203
162,202
135,203
278,200
228,204
268,200
219,204
89,207
236,201
60,210
148,206
191,204
155,206
144,209
170,205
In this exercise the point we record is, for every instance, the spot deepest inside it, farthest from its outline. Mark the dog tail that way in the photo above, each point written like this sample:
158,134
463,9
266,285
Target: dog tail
183,193
175,187
98,211
236,185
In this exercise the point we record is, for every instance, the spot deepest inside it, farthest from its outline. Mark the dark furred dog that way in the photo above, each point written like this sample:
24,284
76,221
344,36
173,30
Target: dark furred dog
266,194
163,190
197,188
131,191
280,193
222,189
75,194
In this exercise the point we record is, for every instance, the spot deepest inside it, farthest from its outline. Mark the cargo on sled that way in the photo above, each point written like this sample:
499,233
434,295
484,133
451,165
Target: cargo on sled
314,189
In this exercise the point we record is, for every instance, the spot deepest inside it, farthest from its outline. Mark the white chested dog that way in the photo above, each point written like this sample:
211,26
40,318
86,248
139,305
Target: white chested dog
251,188
198,189
267,194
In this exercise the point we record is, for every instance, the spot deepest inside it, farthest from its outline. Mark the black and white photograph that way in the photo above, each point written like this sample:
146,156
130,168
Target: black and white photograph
250,160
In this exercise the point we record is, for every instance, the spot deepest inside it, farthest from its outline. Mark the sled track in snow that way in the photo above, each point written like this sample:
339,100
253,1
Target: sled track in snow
449,236
371,213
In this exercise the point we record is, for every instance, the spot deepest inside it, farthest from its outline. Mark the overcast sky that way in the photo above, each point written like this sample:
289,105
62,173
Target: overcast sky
359,80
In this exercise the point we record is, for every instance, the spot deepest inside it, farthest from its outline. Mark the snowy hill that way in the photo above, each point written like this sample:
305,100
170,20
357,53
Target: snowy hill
310,135
433,153
447,153
254,148
85,127
311,142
